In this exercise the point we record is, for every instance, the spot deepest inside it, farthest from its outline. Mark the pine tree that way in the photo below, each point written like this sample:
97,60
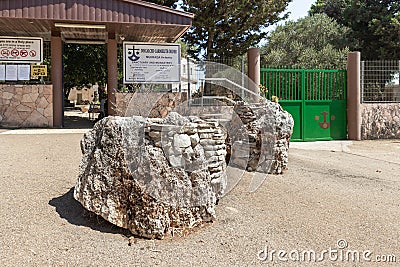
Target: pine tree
226,29
168,3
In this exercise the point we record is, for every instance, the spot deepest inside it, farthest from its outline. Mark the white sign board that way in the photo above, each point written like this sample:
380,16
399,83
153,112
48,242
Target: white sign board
11,72
21,49
24,72
2,72
152,63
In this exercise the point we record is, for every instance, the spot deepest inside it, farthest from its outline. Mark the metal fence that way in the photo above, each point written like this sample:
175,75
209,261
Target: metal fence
198,78
380,81
298,84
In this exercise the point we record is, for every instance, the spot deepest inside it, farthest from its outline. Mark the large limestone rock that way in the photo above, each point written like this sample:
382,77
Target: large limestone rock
151,176
261,139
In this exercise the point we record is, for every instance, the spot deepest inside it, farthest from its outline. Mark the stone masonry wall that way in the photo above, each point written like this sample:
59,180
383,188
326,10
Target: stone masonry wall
185,141
163,103
380,121
26,106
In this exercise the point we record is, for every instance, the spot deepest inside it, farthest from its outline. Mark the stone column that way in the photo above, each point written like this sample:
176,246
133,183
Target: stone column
112,70
254,65
353,96
57,79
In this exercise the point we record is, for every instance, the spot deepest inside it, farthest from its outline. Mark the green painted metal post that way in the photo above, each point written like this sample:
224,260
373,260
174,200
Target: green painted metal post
303,98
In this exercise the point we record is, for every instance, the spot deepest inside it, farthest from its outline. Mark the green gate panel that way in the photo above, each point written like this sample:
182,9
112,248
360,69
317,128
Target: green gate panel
315,98
317,120
339,125
295,109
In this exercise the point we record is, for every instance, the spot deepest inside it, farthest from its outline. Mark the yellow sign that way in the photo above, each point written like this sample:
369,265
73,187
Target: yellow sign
38,70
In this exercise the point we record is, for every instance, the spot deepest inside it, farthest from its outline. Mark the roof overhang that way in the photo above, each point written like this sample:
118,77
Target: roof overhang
93,21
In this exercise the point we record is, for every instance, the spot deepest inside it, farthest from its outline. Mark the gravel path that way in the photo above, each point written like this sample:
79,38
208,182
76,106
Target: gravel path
324,197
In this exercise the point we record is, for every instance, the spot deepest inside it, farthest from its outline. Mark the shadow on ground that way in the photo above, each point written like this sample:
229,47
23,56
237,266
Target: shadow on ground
71,210
77,122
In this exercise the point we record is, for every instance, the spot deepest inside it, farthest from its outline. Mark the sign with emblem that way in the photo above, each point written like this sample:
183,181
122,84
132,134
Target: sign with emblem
21,50
151,63
38,70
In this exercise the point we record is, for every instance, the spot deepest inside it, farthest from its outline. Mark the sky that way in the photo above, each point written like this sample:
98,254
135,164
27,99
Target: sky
299,8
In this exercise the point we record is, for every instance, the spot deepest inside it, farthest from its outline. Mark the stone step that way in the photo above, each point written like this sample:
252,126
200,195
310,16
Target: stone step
216,116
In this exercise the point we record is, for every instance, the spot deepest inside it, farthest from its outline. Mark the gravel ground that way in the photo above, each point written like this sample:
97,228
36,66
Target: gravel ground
325,196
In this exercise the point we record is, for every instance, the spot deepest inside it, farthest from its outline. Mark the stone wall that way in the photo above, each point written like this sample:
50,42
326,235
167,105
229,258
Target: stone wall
261,145
380,121
152,105
26,105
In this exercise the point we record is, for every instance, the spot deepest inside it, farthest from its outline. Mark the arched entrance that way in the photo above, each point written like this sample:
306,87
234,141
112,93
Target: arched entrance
109,21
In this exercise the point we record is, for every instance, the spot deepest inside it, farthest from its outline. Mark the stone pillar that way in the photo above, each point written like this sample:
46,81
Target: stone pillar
57,79
254,65
112,70
353,96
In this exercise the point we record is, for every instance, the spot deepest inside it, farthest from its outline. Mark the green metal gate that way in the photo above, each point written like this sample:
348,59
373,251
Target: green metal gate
315,98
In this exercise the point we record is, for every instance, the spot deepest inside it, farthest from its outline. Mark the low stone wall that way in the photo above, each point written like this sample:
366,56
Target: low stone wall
380,121
259,133
152,105
26,106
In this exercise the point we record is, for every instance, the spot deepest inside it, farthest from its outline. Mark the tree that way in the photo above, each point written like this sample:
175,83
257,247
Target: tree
375,25
168,3
332,8
84,65
224,29
311,42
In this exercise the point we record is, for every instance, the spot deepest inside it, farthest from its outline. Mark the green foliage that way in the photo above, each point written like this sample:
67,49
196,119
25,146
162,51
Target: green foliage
224,29
311,42
168,3
84,65
333,8
184,48
375,25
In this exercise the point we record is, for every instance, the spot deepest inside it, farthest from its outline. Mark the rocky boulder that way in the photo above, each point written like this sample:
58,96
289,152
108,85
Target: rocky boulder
152,176
261,137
